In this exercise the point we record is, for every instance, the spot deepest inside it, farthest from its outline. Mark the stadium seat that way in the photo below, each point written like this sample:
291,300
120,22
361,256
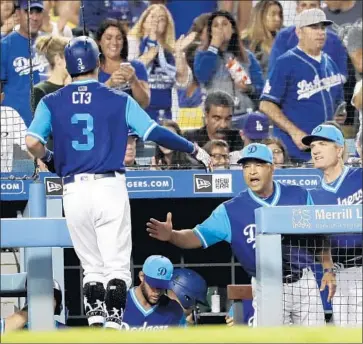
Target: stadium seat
190,118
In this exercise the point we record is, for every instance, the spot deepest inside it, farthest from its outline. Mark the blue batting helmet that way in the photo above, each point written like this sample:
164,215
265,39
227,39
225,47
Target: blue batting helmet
189,287
82,55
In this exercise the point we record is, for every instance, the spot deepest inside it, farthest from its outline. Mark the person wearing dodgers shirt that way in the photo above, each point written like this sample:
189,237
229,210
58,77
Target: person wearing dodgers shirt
305,87
340,185
234,222
147,306
15,62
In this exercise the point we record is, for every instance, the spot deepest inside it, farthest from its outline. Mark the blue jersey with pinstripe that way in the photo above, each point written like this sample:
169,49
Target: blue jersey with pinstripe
307,91
234,221
165,314
90,124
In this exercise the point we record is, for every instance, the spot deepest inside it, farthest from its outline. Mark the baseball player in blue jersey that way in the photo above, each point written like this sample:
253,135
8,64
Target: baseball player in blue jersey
147,307
305,87
90,123
234,221
189,289
340,185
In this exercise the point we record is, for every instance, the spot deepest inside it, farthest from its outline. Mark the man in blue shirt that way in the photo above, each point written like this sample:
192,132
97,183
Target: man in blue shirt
90,124
234,222
340,185
15,60
147,307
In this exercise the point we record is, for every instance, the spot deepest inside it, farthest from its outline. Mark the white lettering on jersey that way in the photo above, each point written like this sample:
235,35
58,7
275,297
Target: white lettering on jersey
81,97
356,198
22,64
250,232
308,89
144,327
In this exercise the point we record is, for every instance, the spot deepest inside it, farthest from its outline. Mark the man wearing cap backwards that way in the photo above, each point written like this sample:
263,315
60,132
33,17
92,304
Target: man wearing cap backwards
234,221
341,185
147,306
305,87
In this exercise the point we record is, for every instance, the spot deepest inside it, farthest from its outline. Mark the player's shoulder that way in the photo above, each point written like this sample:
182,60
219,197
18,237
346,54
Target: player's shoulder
354,173
241,197
292,189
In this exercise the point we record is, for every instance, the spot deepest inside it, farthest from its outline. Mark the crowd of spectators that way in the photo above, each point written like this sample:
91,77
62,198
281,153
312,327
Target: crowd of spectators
222,73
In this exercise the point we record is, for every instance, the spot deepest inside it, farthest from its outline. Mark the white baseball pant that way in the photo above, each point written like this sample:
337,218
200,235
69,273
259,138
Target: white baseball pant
347,302
301,301
99,221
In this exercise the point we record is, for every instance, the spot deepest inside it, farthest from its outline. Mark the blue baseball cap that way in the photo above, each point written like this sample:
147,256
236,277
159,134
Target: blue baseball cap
255,125
324,132
33,4
158,271
257,151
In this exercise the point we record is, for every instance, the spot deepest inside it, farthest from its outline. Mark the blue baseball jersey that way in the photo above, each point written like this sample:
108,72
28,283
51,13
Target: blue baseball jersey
234,222
89,123
307,91
346,190
15,73
140,72
166,313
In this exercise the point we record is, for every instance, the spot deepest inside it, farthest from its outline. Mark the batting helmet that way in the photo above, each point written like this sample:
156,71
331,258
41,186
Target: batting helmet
189,287
82,55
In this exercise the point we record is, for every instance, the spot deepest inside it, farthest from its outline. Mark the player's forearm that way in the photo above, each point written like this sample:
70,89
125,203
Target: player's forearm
277,116
141,93
185,238
325,258
35,148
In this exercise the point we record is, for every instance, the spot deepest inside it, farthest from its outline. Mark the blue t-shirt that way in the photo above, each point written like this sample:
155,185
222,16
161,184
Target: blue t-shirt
195,100
88,136
140,72
234,222
307,91
165,314
15,72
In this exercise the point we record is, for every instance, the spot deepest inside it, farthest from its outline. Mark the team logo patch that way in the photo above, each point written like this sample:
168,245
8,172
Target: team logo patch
252,149
213,183
53,186
203,183
162,271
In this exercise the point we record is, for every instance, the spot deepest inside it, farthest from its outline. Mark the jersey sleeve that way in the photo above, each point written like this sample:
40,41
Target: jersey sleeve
215,229
40,128
140,70
276,83
309,199
138,120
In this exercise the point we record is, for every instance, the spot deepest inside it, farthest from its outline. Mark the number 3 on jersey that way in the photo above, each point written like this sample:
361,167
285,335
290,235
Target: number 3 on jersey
87,131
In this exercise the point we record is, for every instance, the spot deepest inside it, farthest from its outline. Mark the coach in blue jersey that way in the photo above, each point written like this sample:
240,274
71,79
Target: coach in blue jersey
90,124
340,185
287,39
305,87
15,60
147,307
234,221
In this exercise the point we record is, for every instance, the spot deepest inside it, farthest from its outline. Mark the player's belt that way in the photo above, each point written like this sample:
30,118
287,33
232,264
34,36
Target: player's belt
88,177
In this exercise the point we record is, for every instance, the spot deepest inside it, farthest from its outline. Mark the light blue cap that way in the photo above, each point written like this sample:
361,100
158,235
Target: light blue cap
257,151
325,132
158,271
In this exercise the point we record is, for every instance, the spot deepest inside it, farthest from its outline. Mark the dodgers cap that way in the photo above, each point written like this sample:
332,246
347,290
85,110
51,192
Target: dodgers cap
324,132
257,151
158,271
311,16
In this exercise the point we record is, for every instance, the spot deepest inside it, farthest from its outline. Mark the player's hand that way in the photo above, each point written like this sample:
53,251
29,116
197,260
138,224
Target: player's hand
229,321
202,156
48,160
128,72
160,230
217,37
117,79
297,137
330,281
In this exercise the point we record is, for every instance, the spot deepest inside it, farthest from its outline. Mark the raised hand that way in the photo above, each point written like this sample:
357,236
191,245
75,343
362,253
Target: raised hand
160,230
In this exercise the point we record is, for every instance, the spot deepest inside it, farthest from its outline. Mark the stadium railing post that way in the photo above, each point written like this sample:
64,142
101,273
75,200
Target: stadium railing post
39,269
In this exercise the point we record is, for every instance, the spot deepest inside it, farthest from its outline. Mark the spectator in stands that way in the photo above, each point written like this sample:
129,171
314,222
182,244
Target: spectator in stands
305,86
130,156
9,17
219,152
200,28
253,127
115,71
52,27
218,112
266,21
15,60
152,41
279,151
287,39
220,64
166,158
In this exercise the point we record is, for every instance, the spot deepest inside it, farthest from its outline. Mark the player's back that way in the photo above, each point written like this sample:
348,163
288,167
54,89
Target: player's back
89,128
